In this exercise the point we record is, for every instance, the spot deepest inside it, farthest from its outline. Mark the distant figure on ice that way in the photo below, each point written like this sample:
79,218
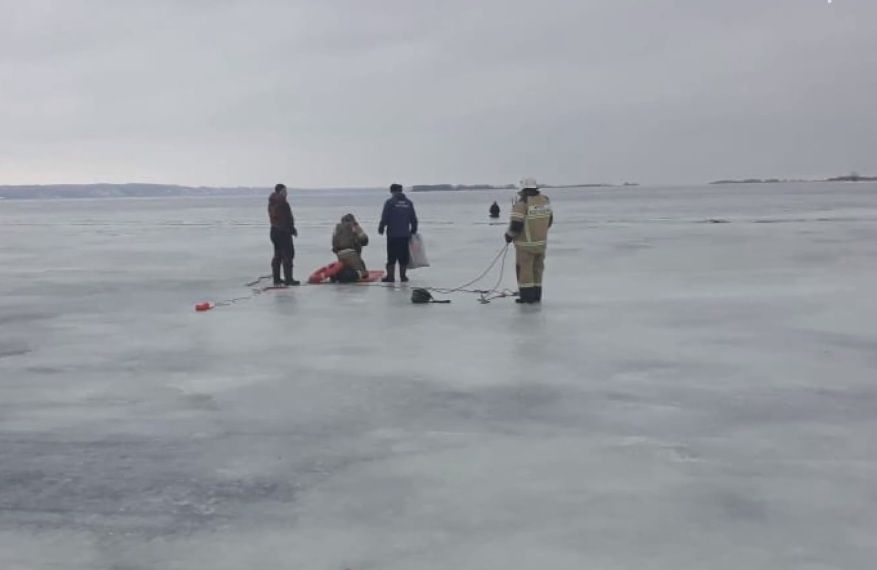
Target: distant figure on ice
528,227
400,221
282,230
494,210
348,239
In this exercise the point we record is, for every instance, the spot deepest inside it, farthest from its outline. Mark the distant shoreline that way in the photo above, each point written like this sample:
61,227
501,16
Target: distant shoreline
141,190
485,187
133,190
848,178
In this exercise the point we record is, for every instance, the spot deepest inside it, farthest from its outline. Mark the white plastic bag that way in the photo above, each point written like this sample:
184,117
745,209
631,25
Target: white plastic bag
417,252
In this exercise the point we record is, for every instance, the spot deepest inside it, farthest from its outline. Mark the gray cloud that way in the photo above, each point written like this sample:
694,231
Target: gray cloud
346,92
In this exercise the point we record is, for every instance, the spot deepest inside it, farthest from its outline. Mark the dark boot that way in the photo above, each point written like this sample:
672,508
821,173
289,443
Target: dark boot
287,273
390,277
275,271
525,295
402,276
537,294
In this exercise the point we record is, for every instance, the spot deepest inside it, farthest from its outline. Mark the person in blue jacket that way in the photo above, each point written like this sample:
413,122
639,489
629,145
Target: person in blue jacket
400,221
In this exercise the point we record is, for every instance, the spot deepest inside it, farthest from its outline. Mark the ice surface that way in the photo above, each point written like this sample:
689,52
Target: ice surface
690,395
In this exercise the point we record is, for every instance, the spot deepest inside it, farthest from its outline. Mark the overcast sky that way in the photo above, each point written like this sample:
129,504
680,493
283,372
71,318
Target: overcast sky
365,92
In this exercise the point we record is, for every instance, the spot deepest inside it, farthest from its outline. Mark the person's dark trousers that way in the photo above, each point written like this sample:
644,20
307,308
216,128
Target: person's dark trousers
397,252
284,252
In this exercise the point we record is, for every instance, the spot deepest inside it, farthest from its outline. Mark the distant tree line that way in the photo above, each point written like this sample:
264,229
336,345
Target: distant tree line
852,177
33,192
452,187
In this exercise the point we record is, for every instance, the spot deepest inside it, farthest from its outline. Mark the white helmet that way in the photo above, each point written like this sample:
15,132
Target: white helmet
526,183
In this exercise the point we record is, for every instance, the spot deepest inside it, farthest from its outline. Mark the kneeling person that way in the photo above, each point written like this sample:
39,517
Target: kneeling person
348,239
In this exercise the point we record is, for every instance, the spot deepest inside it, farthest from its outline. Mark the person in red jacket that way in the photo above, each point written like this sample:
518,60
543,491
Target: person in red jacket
282,230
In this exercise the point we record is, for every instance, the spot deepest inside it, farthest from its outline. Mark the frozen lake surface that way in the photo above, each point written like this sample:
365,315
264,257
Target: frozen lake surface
690,394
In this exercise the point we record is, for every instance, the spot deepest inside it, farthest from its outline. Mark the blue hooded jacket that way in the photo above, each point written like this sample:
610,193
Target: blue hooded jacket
398,217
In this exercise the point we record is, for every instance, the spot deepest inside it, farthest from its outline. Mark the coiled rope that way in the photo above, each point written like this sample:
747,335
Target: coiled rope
484,295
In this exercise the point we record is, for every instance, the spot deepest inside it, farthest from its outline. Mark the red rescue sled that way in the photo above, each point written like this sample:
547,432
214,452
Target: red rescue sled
373,275
325,274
